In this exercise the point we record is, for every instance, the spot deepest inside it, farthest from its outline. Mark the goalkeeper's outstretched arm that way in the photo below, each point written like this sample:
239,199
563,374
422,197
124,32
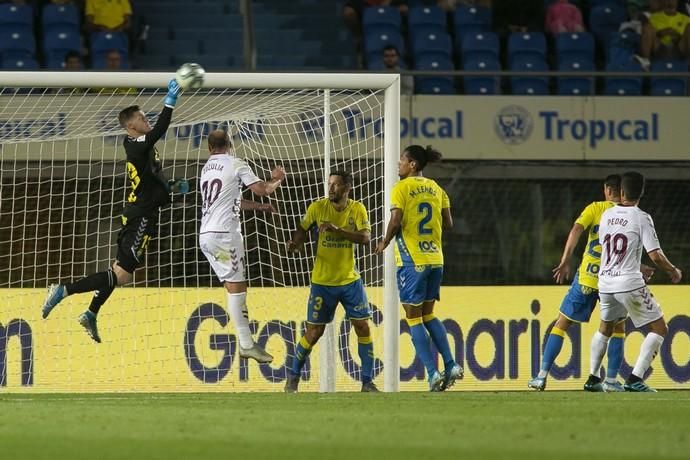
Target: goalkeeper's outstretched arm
165,116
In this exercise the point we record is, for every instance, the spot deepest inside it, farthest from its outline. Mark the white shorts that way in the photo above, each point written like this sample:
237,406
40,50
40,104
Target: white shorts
639,304
225,253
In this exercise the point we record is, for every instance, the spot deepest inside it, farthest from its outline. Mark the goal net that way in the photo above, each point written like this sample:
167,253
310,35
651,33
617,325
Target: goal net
62,191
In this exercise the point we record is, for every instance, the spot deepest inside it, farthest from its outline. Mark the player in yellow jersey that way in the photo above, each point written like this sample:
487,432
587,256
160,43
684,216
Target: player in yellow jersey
420,210
341,223
579,302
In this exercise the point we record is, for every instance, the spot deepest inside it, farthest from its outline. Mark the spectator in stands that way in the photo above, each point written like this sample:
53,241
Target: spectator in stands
563,17
113,60
527,17
73,61
667,36
637,16
108,15
391,60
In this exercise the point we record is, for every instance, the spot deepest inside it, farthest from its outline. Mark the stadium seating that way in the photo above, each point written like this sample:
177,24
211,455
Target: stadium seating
470,19
432,46
668,86
480,46
25,63
383,20
425,20
60,15
605,20
526,44
623,86
16,40
431,83
102,42
375,42
578,86
529,85
574,47
20,17
482,84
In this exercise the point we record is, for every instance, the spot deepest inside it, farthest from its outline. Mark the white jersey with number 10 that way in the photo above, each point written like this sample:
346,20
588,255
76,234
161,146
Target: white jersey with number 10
221,192
623,232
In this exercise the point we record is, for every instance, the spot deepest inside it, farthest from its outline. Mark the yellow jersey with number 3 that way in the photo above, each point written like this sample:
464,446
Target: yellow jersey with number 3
419,240
335,255
591,258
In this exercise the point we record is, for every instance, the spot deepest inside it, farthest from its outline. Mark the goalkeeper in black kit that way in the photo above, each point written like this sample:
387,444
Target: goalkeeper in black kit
150,190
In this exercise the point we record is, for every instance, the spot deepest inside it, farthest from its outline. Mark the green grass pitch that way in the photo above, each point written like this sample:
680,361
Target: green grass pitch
352,426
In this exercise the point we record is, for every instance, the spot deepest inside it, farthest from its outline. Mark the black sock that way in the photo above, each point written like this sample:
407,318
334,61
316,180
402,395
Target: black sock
633,378
103,283
91,283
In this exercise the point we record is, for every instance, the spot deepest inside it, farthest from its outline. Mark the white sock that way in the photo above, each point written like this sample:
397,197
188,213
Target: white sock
237,304
648,350
597,351
542,374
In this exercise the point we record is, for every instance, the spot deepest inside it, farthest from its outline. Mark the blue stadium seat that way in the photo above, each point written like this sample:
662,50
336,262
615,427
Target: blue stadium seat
622,46
669,86
578,86
433,46
605,20
375,42
529,85
16,15
55,59
425,20
526,44
385,19
62,38
433,85
470,19
60,15
102,42
593,3
578,46
434,63
623,86
16,38
480,45
25,63
482,84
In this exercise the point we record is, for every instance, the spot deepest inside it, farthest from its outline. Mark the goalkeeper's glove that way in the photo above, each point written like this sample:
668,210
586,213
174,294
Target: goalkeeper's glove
174,90
178,186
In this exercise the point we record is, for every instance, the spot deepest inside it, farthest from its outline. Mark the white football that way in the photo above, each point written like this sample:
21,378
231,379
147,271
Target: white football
190,76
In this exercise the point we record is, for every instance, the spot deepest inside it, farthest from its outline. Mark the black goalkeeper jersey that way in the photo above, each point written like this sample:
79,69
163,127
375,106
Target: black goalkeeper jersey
144,171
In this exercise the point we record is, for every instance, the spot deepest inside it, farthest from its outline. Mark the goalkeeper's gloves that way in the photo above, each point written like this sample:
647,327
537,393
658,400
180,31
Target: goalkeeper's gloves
178,186
174,90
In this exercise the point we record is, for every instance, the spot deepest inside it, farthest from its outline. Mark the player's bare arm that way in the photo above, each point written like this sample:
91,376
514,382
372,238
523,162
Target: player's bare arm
297,241
357,236
394,226
447,218
249,205
265,188
562,272
661,261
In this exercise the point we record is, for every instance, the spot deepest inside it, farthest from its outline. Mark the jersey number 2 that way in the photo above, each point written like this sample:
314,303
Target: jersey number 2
424,208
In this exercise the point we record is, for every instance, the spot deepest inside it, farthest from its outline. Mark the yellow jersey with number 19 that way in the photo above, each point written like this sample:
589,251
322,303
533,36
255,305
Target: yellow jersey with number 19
591,258
419,240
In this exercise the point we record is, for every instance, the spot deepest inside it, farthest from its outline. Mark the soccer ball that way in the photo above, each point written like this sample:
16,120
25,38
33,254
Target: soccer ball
190,76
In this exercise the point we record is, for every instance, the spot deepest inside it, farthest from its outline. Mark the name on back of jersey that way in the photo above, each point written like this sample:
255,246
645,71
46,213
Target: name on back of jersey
423,189
212,166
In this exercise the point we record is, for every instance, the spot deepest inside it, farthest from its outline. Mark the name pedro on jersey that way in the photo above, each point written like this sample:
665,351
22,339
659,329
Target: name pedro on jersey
617,221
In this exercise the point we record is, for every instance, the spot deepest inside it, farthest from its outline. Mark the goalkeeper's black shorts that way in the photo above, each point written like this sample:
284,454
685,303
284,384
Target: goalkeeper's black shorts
133,240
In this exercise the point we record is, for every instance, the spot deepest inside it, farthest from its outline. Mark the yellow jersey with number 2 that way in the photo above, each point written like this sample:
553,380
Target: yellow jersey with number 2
419,240
591,259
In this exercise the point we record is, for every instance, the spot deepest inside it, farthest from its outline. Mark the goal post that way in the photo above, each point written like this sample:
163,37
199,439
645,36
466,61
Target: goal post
63,188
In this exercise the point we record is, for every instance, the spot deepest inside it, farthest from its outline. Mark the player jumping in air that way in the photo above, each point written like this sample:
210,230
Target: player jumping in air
220,235
625,231
150,191
419,212
341,223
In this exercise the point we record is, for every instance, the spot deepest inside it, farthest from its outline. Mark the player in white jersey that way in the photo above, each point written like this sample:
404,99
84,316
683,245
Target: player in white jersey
624,231
220,236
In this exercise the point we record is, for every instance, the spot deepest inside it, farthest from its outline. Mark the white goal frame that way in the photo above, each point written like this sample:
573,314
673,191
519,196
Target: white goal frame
323,81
